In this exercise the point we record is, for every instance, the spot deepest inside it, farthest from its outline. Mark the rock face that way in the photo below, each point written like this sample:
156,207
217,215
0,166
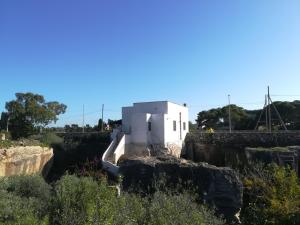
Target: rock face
218,186
25,160
283,156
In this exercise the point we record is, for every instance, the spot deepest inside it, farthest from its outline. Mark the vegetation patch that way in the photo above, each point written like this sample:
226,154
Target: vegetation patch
77,200
271,196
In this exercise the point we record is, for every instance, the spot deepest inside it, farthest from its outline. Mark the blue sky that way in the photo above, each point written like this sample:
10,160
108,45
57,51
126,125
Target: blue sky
118,52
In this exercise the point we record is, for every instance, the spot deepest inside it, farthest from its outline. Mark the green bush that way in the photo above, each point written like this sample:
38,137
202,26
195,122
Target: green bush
178,209
82,200
85,201
272,196
24,200
73,198
51,139
6,144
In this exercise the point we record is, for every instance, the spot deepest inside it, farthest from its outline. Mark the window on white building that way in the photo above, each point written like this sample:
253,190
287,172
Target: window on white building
184,125
174,125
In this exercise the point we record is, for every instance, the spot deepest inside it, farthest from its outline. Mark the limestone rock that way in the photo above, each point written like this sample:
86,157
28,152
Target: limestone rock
24,160
217,186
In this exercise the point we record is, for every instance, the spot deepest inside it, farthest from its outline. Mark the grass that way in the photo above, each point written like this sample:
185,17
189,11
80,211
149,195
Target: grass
6,144
44,140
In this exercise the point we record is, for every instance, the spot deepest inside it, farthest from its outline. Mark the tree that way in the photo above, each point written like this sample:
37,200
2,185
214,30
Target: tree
290,113
114,123
100,124
218,118
243,119
30,111
3,120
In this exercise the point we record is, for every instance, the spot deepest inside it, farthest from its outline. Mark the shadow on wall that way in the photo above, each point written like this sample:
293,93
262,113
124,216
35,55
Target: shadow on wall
74,152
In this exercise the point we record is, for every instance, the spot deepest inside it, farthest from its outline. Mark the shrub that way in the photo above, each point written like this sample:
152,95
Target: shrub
85,201
24,200
272,196
179,209
51,139
28,200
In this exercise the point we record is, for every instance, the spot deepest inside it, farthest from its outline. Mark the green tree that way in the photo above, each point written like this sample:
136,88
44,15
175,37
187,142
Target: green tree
3,120
114,123
243,119
29,112
290,113
100,124
218,118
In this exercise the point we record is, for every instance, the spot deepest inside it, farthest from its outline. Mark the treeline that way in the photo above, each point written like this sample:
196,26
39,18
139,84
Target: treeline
30,114
243,119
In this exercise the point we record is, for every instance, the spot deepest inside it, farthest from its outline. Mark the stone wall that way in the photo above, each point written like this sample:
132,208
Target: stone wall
25,160
229,149
246,139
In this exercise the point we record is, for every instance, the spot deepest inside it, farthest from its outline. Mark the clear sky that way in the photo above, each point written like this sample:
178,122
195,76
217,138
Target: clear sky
118,52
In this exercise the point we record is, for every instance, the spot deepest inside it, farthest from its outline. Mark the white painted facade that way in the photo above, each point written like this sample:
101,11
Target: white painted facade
145,125
159,122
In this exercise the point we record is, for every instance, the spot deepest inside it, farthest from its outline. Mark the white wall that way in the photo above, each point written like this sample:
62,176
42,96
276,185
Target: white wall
126,119
139,127
157,133
174,111
161,115
120,149
151,107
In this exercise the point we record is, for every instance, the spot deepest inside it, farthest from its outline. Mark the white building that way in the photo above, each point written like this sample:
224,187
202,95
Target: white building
148,126
160,122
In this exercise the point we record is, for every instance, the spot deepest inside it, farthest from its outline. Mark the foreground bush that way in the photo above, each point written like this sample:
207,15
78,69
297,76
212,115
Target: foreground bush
24,200
84,201
272,196
81,200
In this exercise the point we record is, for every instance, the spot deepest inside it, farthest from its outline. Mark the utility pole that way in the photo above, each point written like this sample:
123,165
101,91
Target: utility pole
266,107
7,123
102,125
269,110
229,114
83,122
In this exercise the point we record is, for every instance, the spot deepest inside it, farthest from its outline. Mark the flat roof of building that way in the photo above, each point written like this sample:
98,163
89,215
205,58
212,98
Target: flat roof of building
160,101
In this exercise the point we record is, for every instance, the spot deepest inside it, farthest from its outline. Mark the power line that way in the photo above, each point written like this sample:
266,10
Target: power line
286,95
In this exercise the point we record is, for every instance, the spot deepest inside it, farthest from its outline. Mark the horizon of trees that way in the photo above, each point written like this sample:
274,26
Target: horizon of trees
243,119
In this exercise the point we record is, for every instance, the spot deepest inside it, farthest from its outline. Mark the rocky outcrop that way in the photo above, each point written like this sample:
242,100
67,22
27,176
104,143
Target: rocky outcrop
218,186
25,160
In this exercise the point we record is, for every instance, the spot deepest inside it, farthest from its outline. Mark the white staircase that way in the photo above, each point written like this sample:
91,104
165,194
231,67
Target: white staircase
113,153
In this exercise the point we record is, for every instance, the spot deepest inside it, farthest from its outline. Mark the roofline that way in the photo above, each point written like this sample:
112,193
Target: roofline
160,101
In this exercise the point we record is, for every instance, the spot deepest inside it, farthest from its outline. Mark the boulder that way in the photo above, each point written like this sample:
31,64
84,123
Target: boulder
25,160
220,187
